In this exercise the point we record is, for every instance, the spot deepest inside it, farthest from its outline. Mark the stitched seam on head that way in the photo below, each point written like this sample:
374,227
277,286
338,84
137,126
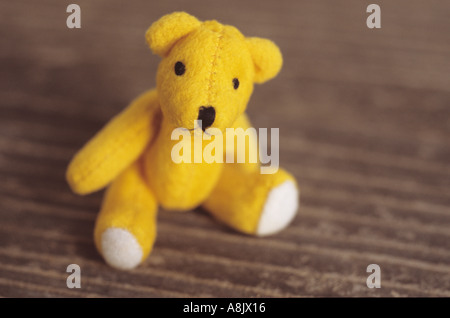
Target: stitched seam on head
214,63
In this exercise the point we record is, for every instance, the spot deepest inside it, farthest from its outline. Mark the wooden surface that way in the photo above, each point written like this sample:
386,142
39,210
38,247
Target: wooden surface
364,126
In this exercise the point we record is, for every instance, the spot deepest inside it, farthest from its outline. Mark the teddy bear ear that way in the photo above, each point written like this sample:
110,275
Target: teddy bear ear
162,34
267,58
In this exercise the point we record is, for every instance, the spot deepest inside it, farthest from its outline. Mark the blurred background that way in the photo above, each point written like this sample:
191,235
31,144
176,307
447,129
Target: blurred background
364,118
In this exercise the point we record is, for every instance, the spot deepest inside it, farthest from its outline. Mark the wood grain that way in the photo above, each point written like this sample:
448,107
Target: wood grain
364,126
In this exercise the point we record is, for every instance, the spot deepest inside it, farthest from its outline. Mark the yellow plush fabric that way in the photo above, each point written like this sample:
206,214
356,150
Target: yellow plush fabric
129,204
243,122
205,65
239,196
266,57
116,146
163,34
178,186
213,55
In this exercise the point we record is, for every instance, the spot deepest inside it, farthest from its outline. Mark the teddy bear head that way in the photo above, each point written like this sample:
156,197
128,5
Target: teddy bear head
208,69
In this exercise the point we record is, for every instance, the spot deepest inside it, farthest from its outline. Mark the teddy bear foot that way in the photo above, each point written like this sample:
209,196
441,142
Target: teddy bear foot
254,203
279,209
125,229
120,248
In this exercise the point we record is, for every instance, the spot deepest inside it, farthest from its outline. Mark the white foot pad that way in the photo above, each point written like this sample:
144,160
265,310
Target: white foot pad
120,248
280,209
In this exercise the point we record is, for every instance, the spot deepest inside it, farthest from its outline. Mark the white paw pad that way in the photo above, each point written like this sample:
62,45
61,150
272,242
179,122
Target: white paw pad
279,210
120,248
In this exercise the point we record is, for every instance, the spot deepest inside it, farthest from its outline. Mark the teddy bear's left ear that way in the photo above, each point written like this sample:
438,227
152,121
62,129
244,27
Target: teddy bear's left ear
267,58
162,34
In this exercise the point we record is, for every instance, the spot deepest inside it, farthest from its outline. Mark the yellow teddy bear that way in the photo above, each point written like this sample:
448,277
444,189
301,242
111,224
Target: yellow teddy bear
206,73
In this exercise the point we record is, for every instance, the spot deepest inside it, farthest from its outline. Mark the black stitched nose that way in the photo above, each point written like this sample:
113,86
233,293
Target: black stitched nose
206,114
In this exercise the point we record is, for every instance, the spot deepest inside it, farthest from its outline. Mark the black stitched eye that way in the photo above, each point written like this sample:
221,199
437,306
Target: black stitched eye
179,68
235,83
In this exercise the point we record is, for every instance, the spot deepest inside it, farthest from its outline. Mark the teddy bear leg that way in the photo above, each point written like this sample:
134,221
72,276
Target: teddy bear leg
254,203
126,225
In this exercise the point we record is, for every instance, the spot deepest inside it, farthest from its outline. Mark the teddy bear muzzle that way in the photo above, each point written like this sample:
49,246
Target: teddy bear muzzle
207,114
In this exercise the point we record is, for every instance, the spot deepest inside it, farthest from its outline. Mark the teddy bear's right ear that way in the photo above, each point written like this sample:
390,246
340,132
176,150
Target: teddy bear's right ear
162,34
267,58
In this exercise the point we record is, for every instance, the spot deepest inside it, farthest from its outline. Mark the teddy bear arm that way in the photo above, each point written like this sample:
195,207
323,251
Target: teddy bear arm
116,146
